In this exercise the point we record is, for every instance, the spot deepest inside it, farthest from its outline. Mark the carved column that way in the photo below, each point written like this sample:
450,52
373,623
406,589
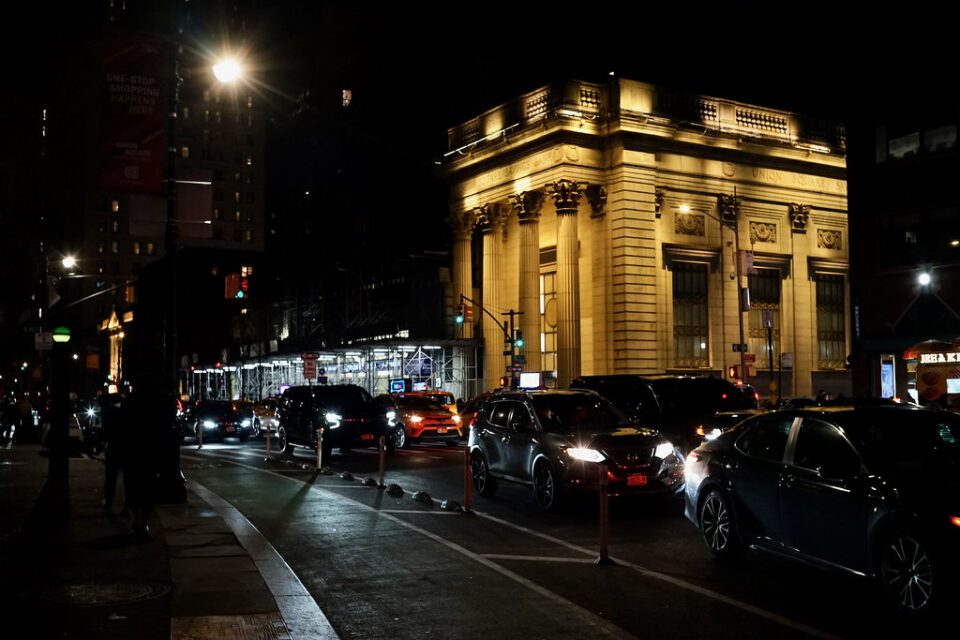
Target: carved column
462,224
528,205
492,218
566,197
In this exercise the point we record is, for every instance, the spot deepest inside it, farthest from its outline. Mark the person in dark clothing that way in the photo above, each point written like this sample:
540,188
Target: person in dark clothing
113,432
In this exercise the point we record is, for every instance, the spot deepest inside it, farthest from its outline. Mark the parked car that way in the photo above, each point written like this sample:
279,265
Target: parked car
469,410
443,398
871,490
683,408
424,420
348,414
265,416
218,419
554,441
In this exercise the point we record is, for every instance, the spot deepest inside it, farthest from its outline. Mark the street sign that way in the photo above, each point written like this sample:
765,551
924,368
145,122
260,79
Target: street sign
767,318
786,360
43,340
749,358
520,359
739,347
514,368
310,364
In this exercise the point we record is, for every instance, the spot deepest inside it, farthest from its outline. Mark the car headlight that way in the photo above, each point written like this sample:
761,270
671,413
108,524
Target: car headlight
415,419
664,450
91,412
456,418
391,415
244,423
333,419
209,424
712,435
586,455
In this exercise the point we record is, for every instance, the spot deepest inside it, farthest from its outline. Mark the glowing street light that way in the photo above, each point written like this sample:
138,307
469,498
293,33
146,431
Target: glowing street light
69,262
227,70
923,279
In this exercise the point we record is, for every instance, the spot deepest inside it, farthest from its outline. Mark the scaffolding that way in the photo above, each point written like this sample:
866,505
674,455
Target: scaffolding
450,366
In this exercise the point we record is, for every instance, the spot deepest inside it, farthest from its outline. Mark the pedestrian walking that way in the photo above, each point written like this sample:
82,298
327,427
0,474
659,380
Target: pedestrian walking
145,415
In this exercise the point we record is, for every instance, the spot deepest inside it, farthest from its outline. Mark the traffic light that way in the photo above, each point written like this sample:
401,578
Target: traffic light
734,372
458,318
231,285
518,340
244,291
505,381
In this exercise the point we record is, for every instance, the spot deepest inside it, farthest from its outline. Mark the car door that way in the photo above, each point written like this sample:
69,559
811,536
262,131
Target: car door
521,442
492,431
754,476
823,496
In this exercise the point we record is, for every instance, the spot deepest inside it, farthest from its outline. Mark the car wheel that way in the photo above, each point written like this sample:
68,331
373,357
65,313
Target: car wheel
283,445
243,436
718,527
400,438
906,569
256,428
483,483
546,488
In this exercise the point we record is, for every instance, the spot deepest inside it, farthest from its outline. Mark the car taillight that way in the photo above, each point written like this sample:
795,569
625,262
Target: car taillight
473,420
955,521
693,456
700,431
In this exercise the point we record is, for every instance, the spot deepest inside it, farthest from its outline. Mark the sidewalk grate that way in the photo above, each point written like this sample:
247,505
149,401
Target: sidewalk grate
99,594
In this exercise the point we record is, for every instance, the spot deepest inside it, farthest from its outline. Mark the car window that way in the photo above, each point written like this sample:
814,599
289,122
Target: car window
521,418
496,413
766,438
701,396
579,412
821,447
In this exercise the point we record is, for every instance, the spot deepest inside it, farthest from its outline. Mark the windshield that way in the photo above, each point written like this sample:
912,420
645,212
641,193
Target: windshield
575,413
907,439
351,395
423,403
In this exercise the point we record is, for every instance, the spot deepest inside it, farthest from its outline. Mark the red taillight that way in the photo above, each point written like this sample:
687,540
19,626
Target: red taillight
955,521
723,396
756,396
693,456
473,420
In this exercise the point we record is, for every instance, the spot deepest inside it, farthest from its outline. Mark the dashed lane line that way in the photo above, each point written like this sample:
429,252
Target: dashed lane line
507,556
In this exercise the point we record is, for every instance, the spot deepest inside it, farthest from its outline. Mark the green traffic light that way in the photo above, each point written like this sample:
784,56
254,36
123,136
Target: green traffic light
240,294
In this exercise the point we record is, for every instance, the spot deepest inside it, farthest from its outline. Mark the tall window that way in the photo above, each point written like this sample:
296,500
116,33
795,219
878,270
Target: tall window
764,305
690,317
548,320
831,326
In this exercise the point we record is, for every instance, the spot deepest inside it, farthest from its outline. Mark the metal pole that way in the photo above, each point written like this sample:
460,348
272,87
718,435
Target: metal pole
319,448
604,558
199,428
736,244
268,458
383,458
468,482
779,377
770,350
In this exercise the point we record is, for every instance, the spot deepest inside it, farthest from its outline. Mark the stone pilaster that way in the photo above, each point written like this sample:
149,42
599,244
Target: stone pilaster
566,197
528,205
804,304
492,218
462,224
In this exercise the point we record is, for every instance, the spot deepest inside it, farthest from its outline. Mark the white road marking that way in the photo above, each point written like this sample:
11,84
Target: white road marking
506,556
656,575
419,512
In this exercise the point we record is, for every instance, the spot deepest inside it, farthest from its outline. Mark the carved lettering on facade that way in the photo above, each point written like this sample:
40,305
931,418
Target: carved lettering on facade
763,232
830,239
689,224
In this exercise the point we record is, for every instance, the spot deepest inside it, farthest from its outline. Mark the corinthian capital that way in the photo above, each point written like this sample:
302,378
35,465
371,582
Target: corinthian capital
566,195
490,216
527,204
462,223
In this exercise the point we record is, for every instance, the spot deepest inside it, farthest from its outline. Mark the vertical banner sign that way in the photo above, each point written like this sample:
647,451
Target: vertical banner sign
133,144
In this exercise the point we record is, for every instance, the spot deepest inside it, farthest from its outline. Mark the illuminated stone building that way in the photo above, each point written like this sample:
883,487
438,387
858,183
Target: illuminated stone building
610,215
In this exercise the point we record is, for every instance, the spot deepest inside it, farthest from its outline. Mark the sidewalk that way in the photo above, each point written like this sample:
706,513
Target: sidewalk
72,570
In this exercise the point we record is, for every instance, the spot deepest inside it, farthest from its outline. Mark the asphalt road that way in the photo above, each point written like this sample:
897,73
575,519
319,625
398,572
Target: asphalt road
381,566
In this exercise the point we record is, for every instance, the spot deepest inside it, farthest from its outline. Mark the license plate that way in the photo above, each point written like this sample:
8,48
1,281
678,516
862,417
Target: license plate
229,429
637,480
366,436
441,429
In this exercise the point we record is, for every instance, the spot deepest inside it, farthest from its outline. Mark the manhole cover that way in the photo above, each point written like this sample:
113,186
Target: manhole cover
97,594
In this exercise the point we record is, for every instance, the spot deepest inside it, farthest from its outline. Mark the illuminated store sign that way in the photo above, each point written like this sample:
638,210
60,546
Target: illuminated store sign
939,358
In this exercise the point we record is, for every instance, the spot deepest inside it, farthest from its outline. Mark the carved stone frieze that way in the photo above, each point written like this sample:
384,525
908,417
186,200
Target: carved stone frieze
597,197
830,239
566,195
689,224
728,207
763,232
527,205
799,216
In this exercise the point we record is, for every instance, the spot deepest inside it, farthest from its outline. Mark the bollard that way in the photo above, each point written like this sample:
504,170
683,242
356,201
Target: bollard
604,558
383,458
268,458
319,448
199,436
468,482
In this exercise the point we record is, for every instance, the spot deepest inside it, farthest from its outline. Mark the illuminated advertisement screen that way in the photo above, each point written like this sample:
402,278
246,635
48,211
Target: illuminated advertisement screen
530,380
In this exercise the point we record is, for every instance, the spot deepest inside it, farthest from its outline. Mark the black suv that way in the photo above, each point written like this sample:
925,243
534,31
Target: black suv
348,414
554,441
686,409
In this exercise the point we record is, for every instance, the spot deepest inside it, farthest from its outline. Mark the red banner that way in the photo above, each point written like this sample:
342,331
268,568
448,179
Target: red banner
133,144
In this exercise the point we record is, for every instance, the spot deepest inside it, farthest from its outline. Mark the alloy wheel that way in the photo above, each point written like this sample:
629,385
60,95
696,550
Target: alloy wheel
715,523
544,486
908,573
400,438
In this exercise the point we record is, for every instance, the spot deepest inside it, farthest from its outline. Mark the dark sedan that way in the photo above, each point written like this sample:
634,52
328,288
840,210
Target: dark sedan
868,490
555,441
218,419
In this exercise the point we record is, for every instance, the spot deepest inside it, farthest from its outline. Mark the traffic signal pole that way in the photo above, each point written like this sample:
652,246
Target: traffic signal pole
509,332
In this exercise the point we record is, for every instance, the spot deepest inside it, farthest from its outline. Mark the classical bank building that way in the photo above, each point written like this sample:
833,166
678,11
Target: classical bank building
609,219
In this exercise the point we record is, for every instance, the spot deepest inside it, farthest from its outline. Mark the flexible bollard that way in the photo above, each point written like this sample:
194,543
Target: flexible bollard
467,482
268,458
319,448
383,458
604,558
199,436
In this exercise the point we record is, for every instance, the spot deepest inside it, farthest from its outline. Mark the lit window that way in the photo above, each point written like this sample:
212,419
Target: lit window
115,206
249,121
206,115
249,235
764,297
831,324
136,248
904,146
116,226
114,247
236,196
186,113
249,161
690,315
184,152
216,116
151,249
940,138
249,102
216,213
236,215
100,247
